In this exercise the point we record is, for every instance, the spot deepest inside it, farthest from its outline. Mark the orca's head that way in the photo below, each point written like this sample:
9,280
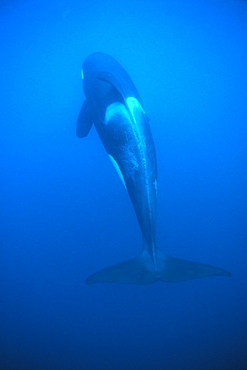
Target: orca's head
91,67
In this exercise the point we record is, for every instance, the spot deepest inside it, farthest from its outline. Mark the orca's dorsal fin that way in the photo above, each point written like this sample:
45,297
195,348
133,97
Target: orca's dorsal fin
112,80
84,120
125,86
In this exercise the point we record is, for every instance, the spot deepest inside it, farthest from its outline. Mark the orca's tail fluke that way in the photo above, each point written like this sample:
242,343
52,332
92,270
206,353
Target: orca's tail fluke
175,269
143,270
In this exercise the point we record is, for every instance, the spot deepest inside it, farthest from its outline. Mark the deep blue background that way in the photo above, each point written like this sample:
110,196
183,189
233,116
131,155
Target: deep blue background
64,214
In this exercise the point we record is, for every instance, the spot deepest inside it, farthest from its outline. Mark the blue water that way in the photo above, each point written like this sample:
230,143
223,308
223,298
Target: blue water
65,214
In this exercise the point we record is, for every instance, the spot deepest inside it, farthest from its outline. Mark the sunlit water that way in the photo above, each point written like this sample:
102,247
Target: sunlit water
65,214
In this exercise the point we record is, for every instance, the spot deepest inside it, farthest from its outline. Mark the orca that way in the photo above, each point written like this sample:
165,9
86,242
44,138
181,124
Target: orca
114,106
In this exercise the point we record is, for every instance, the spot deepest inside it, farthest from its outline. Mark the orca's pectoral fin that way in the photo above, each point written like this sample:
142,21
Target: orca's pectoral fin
84,120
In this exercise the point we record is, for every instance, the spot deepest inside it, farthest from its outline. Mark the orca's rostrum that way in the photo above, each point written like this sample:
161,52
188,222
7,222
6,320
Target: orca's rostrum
113,105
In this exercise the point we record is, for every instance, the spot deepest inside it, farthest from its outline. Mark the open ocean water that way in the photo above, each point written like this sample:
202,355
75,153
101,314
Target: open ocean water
64,214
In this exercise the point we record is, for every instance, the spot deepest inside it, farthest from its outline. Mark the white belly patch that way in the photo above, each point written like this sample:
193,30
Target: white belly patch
116,166
114,111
